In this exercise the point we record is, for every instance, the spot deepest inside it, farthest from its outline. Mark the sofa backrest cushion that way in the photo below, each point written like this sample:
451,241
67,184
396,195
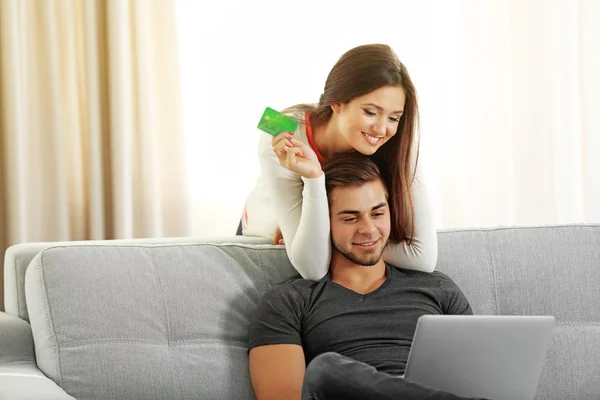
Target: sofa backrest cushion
149,322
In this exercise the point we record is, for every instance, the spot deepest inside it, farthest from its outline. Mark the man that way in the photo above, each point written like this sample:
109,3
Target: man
354,328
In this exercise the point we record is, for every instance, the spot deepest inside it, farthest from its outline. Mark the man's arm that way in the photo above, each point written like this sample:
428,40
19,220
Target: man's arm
276,358
277,371
455,301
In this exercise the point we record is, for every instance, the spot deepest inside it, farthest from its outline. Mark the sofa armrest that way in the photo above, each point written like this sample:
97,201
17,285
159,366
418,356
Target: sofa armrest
19,376
16,340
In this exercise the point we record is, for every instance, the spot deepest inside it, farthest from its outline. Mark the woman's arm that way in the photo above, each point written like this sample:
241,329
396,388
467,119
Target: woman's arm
421,255
302,211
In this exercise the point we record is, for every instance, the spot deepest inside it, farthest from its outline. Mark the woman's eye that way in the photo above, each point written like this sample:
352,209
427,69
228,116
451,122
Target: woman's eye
378,214
370,113
395,119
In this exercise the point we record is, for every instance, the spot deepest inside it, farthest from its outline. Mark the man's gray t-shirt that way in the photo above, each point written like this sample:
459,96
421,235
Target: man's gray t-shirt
376,328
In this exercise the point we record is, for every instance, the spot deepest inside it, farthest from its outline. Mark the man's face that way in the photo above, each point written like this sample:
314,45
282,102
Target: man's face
360,222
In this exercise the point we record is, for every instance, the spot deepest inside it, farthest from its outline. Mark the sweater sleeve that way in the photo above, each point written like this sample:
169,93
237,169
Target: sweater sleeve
302,212
421,254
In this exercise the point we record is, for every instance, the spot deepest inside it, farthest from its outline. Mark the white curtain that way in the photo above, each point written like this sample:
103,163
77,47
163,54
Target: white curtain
509,92
510,121
91,140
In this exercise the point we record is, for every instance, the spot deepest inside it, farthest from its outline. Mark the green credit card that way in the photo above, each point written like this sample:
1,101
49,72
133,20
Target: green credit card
273,122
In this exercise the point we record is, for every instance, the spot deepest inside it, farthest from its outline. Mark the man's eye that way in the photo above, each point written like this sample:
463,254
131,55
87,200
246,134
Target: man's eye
349,219
370,113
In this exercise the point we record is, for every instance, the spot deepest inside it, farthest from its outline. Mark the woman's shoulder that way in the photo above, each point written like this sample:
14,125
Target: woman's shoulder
299,111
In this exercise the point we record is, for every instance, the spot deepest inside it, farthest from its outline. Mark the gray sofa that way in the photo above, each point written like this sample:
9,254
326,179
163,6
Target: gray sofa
168,319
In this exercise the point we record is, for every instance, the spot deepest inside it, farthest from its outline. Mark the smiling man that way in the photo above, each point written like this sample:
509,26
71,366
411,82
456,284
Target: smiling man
348,336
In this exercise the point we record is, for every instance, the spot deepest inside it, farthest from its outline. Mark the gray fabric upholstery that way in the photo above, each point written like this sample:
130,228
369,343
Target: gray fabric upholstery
149,322
18,257
17,333
16,260
19,376
144,321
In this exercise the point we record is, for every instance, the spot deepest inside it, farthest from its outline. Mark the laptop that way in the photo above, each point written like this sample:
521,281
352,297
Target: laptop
494,357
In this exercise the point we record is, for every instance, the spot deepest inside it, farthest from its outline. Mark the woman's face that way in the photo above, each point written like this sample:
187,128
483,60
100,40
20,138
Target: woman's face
367,122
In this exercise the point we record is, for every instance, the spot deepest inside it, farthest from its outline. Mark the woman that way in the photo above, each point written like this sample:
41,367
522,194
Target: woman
369,105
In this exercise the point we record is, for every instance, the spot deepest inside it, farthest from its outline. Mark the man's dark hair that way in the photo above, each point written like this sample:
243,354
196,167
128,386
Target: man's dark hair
349,169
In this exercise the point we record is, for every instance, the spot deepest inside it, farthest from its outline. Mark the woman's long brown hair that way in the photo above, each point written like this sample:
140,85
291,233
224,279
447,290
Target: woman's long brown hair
358,72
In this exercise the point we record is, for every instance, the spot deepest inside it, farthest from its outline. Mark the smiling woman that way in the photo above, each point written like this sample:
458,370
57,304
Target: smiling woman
366,123
369,105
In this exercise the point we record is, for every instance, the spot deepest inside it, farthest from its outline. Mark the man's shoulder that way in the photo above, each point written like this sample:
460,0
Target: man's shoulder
441,276
293,288
440,285
299,284
437,277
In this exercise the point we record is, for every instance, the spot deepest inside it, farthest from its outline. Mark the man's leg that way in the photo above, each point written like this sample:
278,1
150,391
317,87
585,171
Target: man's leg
333,376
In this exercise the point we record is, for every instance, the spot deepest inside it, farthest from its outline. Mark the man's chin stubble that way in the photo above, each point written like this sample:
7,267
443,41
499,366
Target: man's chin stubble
369,262
351,257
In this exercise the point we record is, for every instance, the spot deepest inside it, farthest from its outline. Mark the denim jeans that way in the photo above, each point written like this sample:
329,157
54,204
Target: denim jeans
333,376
